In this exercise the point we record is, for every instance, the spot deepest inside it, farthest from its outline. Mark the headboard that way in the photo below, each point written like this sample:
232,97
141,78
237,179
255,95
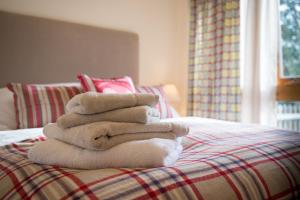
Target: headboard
38,50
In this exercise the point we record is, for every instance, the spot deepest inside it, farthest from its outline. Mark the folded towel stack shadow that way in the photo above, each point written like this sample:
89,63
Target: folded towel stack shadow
110,130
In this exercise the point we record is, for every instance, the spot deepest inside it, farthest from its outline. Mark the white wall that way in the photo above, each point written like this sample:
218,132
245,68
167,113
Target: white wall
162,26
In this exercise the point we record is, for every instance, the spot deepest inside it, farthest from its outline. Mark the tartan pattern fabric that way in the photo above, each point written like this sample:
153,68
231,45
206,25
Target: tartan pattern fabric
214,83
38,105
221,160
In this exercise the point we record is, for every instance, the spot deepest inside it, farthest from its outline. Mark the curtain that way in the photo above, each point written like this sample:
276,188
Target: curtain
214,76
259,59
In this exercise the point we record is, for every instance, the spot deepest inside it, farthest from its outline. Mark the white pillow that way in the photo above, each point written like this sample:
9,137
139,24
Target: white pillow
7,110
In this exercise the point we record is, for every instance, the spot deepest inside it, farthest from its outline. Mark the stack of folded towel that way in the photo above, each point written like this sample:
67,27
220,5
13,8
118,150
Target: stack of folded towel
110,130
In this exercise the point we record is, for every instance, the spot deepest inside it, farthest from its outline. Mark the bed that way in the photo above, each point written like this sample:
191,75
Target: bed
220,160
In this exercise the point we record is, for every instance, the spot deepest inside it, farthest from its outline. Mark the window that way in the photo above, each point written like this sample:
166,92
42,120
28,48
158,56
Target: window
290,38
288,89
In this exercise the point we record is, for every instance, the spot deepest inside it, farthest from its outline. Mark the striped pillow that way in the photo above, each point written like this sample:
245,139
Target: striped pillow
164,108
113,85
38,105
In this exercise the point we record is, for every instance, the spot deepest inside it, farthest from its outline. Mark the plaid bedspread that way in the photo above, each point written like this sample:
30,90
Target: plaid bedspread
221,160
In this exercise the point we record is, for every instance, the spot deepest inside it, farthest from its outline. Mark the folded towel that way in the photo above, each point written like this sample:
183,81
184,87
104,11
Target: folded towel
104,135
138,114
93,102
144,153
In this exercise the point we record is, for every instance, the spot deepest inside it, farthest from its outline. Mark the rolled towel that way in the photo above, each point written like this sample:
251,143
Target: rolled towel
104,135
144,153
93,102
138,114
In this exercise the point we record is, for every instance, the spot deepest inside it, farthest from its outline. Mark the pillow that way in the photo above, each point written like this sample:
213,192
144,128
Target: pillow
166,111
38,105
174,112
7,110
113,85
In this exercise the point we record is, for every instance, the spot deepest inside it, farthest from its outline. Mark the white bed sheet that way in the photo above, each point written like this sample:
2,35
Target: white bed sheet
11,136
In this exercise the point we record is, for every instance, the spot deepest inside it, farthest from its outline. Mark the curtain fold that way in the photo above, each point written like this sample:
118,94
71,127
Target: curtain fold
259,59
214,76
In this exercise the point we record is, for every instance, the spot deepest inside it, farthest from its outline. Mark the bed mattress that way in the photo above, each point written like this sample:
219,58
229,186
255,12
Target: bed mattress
221,160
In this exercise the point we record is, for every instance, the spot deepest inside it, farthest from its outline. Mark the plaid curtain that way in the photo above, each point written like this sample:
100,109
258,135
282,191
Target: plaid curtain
214,83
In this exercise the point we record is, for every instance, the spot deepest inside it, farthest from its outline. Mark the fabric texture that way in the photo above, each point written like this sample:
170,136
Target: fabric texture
38,105
17,135
220,160
105,135
7,110
113,85
94,102
260,36
164,108
138,114
146,153
214,80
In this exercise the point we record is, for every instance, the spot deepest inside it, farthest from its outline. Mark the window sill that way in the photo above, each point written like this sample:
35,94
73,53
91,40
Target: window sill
288,92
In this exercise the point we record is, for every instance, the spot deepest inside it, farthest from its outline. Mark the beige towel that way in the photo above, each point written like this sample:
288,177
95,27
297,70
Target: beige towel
93,102
138,114
143,153
104,135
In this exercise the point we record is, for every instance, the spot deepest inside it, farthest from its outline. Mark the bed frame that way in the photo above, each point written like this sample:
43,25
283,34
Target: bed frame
38,50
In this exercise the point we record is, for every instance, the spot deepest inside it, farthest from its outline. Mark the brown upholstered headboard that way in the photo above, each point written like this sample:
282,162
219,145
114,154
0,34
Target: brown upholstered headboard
38,50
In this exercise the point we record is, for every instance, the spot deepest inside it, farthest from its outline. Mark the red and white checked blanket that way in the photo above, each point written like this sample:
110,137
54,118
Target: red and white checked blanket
221,160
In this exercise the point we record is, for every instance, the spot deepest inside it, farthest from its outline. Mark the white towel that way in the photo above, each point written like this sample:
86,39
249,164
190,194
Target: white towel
94,102
135,154
104,135
138,114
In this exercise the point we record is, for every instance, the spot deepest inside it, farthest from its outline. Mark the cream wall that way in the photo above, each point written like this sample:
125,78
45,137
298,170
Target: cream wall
162,26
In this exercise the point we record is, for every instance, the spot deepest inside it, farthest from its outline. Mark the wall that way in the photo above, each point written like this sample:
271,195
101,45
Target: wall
162,26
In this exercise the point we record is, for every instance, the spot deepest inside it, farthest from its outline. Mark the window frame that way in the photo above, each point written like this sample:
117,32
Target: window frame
288,87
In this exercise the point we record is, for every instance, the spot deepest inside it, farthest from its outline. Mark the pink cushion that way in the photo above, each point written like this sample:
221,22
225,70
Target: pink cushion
113,85
163,107
38,105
